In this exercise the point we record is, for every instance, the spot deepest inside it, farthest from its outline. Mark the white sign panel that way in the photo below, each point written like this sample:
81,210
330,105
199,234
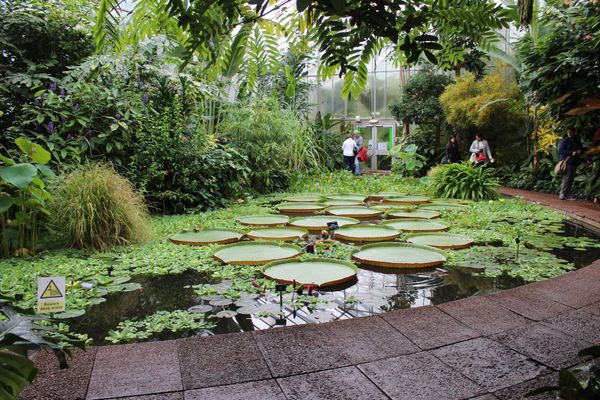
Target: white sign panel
51,294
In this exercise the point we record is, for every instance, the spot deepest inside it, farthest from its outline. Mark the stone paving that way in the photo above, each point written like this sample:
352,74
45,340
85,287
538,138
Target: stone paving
498,346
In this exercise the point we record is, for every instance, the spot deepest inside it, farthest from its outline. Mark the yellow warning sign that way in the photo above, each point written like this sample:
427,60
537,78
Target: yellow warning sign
51,306
51,291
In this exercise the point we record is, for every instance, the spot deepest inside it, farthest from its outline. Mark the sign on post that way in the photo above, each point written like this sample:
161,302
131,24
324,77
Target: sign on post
51,294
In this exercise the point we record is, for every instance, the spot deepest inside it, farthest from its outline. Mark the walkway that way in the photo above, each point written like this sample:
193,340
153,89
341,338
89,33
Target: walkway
498,346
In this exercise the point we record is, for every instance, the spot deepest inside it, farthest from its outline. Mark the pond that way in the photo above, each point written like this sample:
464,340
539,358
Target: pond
375,290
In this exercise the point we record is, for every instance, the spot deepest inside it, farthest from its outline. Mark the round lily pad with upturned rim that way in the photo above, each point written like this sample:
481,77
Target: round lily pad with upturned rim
418,214
207,236
304,198
255,253
299,207
383,195
367,233
444,206
440,240
408,199
399,255
319,222
264,220
337,203
392,206
416,225
314,271
356,197
354,212
284,233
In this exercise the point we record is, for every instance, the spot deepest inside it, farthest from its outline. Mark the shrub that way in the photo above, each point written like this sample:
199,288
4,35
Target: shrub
406,161
95,208
464,181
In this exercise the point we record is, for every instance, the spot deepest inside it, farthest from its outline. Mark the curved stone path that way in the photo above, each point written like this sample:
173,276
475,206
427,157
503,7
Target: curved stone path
493,347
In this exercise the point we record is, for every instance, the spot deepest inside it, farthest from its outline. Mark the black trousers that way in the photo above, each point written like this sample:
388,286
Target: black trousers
349,163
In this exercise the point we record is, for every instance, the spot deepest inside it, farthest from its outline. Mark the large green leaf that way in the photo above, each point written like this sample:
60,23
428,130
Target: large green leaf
36,153
19,175
5,203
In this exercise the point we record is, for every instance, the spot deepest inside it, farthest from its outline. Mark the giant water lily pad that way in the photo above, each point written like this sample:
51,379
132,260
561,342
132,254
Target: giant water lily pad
207,236
367,233
255,253
319,222
354,211
444,206
419,214
441,240
304,198
297,207
416,225
285,233
399,255
392,206
408,199
383,195
355,197
337,203
315,271
263,220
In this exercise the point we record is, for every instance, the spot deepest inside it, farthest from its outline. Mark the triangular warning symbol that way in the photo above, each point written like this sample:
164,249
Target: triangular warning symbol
51,291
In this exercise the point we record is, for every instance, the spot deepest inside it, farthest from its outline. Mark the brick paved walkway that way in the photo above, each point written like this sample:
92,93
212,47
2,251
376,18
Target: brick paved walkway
492,347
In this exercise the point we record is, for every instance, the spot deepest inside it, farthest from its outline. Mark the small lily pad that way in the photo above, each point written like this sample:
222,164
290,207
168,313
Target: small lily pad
264,220
207,236
255,253
220,302
286,233
226,314
200,309
416,225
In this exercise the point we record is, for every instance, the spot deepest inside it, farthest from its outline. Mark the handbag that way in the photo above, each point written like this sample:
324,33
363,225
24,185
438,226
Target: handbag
561,167
355,151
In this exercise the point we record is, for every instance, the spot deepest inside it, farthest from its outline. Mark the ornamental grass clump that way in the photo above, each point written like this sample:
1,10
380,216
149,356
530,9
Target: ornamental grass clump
464,181
95,208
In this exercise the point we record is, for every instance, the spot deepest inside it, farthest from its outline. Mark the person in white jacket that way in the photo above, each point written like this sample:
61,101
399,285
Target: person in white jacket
348,152
480,150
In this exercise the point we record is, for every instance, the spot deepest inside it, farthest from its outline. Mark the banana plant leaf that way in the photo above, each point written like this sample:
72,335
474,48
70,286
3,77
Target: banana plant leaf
399,255
316,271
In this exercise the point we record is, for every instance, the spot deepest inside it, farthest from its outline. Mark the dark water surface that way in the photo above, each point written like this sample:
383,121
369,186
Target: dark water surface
376,290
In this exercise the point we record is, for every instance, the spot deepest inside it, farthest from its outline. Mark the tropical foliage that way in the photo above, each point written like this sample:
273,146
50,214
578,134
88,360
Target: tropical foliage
464,181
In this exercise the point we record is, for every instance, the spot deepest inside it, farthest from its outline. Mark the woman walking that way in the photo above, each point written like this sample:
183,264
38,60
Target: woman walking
452,151
480,150
569,149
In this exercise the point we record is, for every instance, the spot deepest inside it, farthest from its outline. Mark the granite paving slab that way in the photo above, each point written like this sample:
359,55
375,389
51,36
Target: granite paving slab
298,349
485,397
53,383
257,390
346,383
161,396
528,303
124,370
483,315
220,360
543,344
420,376
576,289
429,327
489,363
371,339
583,323
518,392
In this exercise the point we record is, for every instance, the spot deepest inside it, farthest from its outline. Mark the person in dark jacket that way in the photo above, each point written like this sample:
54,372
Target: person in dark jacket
569,149
452,151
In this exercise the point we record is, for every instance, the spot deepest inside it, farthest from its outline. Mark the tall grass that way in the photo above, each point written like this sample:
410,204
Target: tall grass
95,208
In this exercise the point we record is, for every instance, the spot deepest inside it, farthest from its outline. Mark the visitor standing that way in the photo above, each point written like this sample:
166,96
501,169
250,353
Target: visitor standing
569,149
348,148
480,150
359,145
452,151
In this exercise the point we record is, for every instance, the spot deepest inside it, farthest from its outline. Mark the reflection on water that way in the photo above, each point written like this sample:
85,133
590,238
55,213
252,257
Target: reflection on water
376,290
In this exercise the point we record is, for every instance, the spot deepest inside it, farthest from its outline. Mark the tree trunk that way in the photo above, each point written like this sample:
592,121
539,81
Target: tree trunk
438,131
405,127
